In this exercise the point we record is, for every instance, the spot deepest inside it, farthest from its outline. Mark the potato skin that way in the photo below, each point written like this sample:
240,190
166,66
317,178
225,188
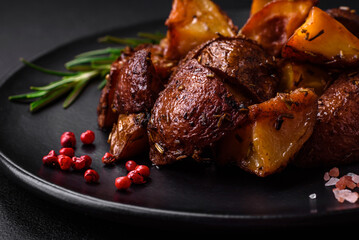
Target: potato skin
132,87
336,133
193,111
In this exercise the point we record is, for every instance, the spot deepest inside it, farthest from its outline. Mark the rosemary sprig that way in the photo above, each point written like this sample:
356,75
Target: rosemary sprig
81,70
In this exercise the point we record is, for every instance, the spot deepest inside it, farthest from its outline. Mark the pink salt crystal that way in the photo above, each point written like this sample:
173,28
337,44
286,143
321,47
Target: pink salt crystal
355,177
332,181
345,194
326,176
334,172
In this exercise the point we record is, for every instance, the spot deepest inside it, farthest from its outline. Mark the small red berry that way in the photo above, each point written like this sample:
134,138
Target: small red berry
122,183
130,165
78,163
135,177
91,176
108,158
68,139
87,137
50,159
87,159
143,170
65,162
67,151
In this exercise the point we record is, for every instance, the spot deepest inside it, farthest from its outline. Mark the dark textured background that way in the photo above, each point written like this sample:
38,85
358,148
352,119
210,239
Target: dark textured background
31,28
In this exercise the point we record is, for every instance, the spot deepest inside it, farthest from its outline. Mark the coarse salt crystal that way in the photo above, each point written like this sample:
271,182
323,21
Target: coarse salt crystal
345,194
355,177
313,196
326,176
332,181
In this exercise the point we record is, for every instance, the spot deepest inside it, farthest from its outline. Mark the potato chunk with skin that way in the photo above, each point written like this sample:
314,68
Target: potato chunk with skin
129,137
323,40
273,25
275,132
336,133
192,22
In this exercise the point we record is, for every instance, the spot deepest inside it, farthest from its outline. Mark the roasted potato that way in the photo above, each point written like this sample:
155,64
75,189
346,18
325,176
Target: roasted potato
323,40
128,137
272,26
258,5
193,111
133,86
275,131
302,75
192,22
336,133
347,17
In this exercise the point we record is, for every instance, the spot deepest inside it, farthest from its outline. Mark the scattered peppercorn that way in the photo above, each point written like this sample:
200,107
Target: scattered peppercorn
136,177
87,137
78,163
143,170
108,158
50,159
67,151
68,139
65,162
122,183
130,165
88,160
91,176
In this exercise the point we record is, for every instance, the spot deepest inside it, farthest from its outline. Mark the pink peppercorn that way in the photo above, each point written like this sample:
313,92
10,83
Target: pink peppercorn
87,137
65,162
122,183
91,176
67,151
68,139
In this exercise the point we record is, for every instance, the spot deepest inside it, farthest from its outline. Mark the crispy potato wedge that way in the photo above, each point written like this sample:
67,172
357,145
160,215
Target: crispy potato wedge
275,132
192,22
129,136
272,26
301,75
336,133
323,40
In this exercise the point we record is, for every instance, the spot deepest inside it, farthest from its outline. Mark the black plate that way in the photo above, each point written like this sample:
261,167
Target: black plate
187,193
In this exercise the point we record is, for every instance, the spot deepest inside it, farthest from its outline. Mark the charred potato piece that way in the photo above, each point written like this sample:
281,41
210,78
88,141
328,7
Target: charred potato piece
302,75
323,40
128,137
192,22
193,111
347,17
272,26
133,86
275,132
244,64
336,133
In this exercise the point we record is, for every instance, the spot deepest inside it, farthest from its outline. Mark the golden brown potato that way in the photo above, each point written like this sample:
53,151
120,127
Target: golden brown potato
129,137
192,22
336,133
324,40
258,5
275,132
272,26
302,75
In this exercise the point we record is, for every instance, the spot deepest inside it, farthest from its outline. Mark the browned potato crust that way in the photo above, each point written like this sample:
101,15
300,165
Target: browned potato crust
129,137
347,17
275,131
132,87
193,111
336,133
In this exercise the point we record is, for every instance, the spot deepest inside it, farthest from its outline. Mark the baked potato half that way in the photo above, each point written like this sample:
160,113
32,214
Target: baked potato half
192,22
272,25
323,40
336,133
275,132
128,137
